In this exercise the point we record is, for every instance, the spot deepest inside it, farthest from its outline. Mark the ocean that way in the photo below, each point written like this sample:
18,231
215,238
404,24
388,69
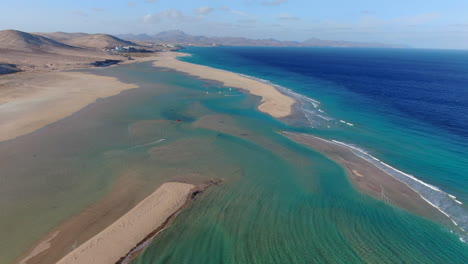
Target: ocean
279,201
406,107
403,110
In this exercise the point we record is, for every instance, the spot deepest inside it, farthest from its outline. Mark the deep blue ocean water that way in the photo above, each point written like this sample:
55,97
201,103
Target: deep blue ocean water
406,107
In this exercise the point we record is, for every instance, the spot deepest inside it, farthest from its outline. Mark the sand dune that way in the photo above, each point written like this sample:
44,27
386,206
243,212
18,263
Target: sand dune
273,102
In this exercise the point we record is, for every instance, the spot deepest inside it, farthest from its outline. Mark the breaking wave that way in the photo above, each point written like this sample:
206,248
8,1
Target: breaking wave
444,202
310,108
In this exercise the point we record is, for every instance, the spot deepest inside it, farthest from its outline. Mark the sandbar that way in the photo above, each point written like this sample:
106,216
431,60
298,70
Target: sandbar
118,239
31,100
273,102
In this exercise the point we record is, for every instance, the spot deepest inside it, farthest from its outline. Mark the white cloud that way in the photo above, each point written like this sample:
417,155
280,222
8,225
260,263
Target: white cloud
287,17
171,14
273,2
98,9
131,4
168,14
240,13
203,11
151,19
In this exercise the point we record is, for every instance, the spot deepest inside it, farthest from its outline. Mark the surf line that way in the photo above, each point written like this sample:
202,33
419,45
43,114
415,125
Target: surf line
148,144
413,183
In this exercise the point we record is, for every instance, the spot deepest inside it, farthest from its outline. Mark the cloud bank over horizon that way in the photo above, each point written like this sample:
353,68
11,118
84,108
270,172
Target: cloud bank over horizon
418,24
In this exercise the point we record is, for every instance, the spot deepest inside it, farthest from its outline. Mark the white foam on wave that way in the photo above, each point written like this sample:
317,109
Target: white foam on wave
148,144
446,203
309,107
429,193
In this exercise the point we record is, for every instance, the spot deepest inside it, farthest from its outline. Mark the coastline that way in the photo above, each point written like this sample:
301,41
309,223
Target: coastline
273,102
33,100
363,177
371,180
111,244
29,101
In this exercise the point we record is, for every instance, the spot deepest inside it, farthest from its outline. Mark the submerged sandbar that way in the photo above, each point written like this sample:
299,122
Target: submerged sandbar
369,179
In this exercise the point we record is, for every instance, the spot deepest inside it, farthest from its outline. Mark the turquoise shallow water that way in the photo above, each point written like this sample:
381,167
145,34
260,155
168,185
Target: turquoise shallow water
280,202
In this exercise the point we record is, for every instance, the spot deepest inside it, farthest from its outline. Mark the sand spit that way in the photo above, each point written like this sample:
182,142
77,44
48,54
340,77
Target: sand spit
110,245
41,247
370,179
29,101
273,103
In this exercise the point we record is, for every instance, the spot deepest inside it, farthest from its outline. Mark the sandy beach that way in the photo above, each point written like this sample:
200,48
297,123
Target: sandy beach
273,102
371,180
115,241
29,101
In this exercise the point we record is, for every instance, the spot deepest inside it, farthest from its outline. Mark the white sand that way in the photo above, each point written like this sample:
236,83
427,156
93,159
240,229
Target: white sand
118,239
273,103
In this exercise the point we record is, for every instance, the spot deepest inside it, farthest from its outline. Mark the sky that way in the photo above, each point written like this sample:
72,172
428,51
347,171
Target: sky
417,23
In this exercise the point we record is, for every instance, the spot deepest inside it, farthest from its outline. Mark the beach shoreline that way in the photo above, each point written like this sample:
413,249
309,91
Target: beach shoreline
273,102
32,100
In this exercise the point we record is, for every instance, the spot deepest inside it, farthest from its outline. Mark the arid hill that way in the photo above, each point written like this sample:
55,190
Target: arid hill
22,41
98,41
61,36
33,52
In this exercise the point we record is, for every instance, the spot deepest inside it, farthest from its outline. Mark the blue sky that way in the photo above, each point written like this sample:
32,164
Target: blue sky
419,23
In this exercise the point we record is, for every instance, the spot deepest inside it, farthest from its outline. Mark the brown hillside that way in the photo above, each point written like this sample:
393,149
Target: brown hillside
22,41
98,41
61,36
33,52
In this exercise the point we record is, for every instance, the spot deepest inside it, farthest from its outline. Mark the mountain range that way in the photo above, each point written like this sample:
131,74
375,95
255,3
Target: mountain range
57,41
97,41
22,51
182,38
